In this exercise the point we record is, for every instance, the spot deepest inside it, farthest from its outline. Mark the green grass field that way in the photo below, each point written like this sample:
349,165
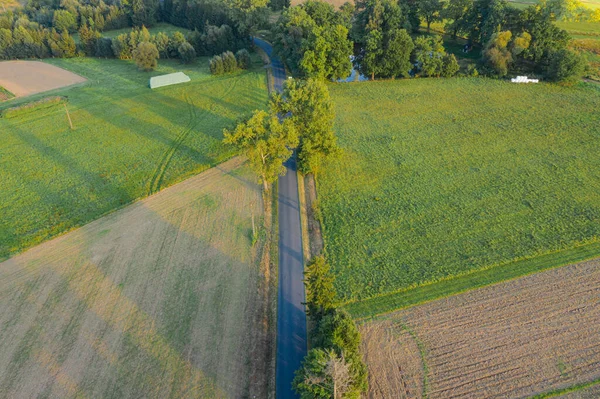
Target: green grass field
440,178
128,142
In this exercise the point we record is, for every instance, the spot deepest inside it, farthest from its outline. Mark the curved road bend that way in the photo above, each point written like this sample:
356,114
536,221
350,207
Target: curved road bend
291,314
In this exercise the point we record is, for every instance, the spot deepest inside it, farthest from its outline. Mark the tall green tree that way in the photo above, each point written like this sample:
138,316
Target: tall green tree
63,21
385,48
313,41
324,375
455,12
430,10
429,55
320,293
266,141
309,106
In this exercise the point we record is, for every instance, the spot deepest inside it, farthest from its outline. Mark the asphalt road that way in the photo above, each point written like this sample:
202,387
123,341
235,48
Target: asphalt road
291,313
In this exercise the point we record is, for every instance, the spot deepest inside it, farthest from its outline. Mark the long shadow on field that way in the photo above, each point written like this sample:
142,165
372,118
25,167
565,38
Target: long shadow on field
157,300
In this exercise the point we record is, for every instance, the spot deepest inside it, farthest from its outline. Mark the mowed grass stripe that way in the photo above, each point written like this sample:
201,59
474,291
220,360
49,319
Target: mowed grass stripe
400,300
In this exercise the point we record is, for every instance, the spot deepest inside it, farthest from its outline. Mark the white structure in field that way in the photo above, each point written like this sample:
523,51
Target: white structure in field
524,79
167,80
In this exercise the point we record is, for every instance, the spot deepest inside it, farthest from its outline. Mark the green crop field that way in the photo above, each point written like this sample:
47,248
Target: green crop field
440,178
128,141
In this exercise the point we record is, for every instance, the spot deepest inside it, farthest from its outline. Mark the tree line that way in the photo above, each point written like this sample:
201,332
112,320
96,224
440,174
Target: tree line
380,36
43,28
333,368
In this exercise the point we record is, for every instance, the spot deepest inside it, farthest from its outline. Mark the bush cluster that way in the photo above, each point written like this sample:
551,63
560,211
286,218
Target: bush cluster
227,62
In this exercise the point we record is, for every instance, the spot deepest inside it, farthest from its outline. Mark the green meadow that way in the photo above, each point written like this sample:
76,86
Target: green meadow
445,178
128,142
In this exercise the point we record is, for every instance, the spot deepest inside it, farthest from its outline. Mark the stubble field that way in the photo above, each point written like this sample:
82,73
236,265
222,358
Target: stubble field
128,142
531,336
445,178
162,299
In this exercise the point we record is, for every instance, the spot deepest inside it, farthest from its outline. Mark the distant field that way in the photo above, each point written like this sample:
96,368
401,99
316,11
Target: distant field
159,27
531,336
9,4
128,142
440,178
594,4
160,299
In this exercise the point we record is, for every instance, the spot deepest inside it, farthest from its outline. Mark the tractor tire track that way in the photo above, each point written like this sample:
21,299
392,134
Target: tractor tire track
163,165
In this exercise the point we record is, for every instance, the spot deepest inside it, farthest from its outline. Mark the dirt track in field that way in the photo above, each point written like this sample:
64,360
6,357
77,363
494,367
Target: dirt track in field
23,78
511,340
161,299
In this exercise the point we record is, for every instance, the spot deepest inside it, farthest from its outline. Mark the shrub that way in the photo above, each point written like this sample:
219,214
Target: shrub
187,54
216,65
161,41
472,70
104,48
565,66
243,59
120,47
450,67
229,62
146,56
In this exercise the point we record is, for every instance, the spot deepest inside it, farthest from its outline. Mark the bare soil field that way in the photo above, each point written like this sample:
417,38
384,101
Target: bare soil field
511,340
161,299
23,78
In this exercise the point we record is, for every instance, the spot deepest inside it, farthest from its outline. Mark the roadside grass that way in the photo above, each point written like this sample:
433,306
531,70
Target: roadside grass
159,299
128,141
441,178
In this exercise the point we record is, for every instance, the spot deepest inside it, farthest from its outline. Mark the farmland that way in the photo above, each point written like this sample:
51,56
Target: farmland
531,336
24,78
443,178
163,298
128,141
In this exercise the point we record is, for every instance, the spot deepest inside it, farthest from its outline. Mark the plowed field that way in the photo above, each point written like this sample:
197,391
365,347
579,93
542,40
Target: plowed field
23,78
512,340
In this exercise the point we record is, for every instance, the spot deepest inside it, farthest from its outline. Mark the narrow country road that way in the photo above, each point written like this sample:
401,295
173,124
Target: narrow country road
291,314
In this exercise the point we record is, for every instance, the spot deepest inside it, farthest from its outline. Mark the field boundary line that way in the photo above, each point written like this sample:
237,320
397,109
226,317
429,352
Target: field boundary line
422,353
569,389
391,302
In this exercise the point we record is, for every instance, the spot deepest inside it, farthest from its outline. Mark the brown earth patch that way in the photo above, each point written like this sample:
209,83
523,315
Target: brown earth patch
23,78
515,339
162,299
